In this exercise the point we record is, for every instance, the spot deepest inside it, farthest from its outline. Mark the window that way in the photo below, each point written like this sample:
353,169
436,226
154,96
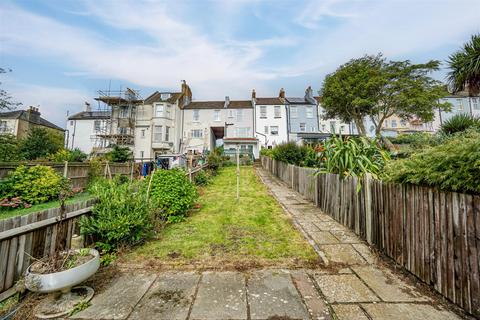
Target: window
293,112
475,102
460,104
3,126
403,123
97,125
196,115
332,126
168,112
394,123
164,96
302,127
342,128
159,110
274,130
141,154
309,112
242,132
71,122
263,112
239,115
216,115
278,112
142,133
123,112
167,134
157,133
197,133
231,113
265,130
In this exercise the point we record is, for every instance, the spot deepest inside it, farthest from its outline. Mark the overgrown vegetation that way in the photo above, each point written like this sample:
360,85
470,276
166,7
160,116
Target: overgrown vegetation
40,143
453,165
75,155
172,193
119,154
460,123
9,148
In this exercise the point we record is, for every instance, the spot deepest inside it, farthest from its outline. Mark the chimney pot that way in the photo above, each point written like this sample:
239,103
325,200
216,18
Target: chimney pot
282,93
254,94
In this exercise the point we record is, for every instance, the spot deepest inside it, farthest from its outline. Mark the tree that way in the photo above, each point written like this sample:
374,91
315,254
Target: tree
373,87
6,102
465,67
119,154
9,148
40,142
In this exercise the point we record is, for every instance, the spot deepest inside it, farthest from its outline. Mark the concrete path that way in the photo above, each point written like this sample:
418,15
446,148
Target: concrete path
353,285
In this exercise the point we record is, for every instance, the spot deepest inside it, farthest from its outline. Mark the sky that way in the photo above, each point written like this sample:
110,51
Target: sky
62,52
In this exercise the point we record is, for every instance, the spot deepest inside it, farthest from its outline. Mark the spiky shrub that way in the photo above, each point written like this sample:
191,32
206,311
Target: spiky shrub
352,157
33,185
121,217
172,193
454,165
460,123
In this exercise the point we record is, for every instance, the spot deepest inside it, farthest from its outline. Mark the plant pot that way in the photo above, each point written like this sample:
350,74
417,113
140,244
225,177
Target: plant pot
64,280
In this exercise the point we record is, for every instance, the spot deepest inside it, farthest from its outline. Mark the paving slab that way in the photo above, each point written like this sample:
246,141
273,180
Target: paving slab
348,312
119,299
169,298
407,311
272,293
221,295
386,285
342,253
344,288
346,236
330,225
365,252
323,237
316,306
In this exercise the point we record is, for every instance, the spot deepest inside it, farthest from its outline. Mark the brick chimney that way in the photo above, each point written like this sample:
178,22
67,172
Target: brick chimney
254,94
187,93
281,93
33,114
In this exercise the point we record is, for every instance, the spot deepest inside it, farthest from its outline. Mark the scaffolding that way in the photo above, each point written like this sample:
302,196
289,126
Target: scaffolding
119,127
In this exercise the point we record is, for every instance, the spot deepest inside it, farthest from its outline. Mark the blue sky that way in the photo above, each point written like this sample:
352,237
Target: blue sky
63,51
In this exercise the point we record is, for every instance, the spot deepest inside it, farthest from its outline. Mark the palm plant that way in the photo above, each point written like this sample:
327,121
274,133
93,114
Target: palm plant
460,123
465,67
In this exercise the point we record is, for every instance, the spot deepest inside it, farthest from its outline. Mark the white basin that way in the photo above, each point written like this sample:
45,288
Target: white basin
63,280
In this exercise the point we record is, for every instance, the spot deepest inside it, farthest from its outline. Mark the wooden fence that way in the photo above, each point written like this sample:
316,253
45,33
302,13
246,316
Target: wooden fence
433,234
77,172
35,235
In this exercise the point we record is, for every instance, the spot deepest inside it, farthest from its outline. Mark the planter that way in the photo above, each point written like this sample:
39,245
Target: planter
64,280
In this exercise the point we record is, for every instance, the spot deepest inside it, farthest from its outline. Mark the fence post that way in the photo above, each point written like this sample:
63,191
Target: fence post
316,189
190,174
368,207
291,174
65,170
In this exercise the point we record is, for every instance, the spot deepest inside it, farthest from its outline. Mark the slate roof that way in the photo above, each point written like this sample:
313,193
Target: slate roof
239,104
234,104
156,97
294,100
86,115
22,114
270,101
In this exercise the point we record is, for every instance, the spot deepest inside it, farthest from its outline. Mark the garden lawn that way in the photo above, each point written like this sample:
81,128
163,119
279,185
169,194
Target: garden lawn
8,213
224,233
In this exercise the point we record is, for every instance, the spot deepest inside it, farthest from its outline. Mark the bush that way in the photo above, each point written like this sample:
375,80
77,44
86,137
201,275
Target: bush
454,165
214,161
119,154
290,153
460,123
312,158
75,155
201,178
122,216
172,193
352,156
266,152
40,142
9,148
418,139
33,185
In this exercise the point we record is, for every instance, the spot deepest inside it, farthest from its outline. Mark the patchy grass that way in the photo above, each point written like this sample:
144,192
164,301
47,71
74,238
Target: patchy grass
253,232
8,213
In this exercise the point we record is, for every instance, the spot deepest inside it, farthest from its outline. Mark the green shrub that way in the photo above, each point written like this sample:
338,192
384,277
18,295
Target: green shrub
454,165
9,148
214,161
33,185
266,152
312,158
201,178
122,216
418,139
119,154
40,142
75,155
290,153
460,123
172,193
352,156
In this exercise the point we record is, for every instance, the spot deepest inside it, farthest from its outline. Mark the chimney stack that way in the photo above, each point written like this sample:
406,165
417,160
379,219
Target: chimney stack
254,94
282,93
227,101
33,114
87,107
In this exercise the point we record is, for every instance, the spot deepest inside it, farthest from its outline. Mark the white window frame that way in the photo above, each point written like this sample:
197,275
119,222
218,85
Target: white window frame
167,133
216,115
394,123
274,130
277,112
294,112
303,127
460,104
97,125
159,110
239,115
196,133
265,129
165,96
157,133
263,112
231,113
309,112
196,115
476,103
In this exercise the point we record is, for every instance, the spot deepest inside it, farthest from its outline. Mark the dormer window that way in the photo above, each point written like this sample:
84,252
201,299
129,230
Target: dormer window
165,96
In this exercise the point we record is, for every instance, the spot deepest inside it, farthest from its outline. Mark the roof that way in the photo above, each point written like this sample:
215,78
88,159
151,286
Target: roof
22,114
234,104
269,101
86,115
294,100
157,97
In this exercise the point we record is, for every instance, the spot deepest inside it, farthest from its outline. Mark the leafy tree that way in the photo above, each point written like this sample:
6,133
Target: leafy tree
9,148
6,102
373,87
40,142
119,154
465,67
